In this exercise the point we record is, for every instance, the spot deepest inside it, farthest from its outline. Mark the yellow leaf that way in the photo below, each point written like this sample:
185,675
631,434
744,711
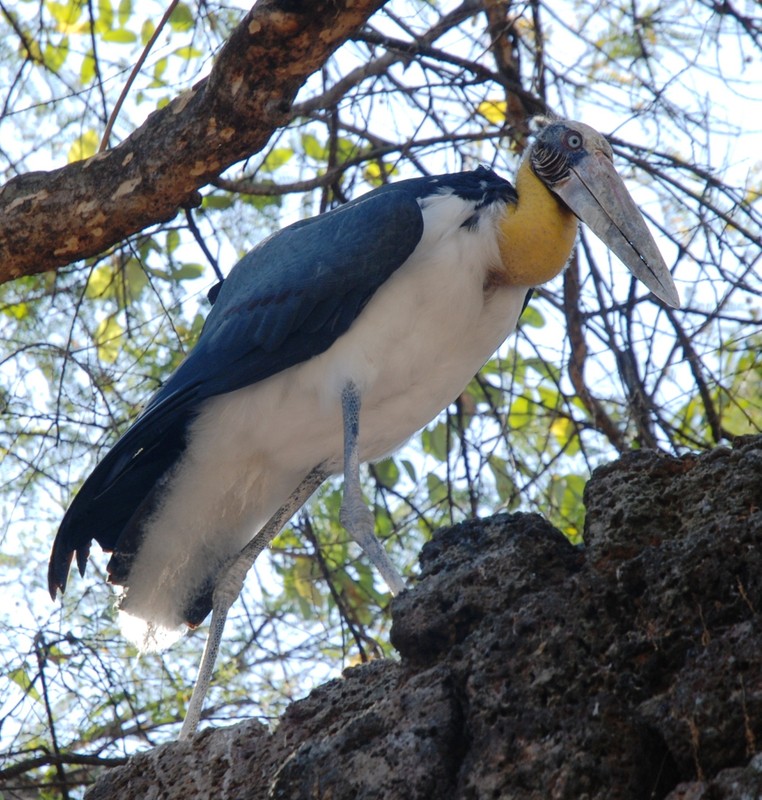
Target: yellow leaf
16,310
376,173
276,158
87,70
34,50
67,16
107,339
124,11
493,111
563,429
100,283
21,678
84,147
146,31
304,580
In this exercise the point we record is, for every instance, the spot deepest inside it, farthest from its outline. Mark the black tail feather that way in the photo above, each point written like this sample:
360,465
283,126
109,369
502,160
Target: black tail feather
115,494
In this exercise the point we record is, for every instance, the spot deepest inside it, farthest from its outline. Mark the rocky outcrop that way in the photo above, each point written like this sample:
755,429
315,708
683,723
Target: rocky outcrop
628,669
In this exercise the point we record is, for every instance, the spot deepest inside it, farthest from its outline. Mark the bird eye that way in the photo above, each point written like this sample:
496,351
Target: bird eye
573,140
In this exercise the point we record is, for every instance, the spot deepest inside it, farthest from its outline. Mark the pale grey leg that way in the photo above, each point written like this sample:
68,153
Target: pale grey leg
229,587
355,516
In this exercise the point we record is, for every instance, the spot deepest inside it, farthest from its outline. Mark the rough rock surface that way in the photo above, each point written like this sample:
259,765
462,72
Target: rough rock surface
630,669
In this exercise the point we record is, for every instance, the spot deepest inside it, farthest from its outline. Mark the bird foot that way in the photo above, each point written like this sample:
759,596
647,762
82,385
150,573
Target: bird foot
359,521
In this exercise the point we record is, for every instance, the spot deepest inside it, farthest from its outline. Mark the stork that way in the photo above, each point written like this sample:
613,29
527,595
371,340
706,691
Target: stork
330,344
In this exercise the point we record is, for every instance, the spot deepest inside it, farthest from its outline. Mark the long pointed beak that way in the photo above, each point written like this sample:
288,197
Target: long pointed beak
597,195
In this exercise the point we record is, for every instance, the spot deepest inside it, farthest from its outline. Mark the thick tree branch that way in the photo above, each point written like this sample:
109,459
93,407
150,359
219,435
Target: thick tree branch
49,219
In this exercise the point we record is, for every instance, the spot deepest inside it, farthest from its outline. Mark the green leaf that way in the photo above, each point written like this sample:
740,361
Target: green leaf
532,317
21,678
434,441
135,279
521,412
486,390
384,524
55,55
304,579
387,472
260,201
312,147
181,18
187,52
120,36
567,492
188,272
410,469
217,201
276,158
437,488
34,50
159,68
504,484
173,240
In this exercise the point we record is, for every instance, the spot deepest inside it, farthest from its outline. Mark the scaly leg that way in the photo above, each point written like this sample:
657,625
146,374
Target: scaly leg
229,587
355,516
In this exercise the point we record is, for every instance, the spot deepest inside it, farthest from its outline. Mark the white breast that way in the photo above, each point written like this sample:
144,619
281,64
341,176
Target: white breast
412,350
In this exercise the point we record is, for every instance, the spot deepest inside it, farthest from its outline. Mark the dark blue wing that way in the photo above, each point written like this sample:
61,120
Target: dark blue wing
286,301
293,295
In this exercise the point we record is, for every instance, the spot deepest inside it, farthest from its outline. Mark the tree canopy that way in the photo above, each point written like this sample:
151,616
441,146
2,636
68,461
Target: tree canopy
142,153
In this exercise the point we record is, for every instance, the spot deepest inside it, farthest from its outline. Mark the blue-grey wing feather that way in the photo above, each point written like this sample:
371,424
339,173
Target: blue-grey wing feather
286,301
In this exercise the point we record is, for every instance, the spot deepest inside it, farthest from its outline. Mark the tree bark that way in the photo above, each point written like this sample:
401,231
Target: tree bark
49,219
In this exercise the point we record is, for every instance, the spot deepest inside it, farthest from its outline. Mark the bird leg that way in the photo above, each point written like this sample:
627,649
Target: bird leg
355,515
229,587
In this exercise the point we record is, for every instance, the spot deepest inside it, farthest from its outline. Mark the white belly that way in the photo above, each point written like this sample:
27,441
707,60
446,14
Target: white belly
412,350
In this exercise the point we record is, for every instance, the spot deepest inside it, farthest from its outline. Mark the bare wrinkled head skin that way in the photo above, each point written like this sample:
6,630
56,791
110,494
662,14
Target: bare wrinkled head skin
576,163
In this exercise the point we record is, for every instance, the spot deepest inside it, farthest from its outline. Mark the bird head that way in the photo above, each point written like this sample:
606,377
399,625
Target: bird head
575,163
